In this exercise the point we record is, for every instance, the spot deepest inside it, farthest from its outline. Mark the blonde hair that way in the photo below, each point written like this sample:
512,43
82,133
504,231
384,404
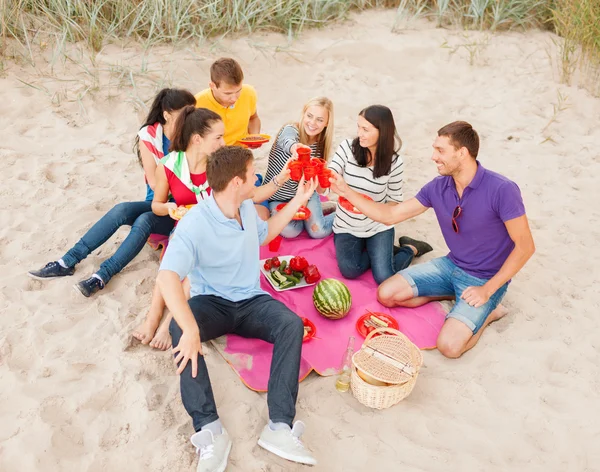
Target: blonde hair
325,142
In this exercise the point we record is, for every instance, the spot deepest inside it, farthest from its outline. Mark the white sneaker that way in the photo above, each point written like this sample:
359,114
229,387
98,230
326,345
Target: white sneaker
213,451
286,443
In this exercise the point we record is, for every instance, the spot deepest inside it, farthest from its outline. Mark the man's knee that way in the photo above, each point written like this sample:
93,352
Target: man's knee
395,291
453,338
451,349
292,326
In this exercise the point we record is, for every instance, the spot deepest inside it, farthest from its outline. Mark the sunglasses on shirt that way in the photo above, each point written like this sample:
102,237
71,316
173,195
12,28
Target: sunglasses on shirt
455,214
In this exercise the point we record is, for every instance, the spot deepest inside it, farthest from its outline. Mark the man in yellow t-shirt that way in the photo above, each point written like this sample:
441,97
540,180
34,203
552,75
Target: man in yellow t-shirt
233,101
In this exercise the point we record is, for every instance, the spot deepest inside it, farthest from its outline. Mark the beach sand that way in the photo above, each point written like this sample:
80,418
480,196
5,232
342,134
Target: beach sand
77,395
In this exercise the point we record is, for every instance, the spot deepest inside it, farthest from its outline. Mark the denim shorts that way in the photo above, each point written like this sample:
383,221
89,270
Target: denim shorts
442,278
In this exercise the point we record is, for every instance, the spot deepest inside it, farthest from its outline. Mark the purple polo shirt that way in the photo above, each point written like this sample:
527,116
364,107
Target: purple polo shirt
482,243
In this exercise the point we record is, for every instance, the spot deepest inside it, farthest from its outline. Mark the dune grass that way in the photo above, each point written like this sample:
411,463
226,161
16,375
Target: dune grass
158,21
578,22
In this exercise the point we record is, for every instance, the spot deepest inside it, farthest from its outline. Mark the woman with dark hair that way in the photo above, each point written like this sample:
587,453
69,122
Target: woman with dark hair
181,180
371,165
155,136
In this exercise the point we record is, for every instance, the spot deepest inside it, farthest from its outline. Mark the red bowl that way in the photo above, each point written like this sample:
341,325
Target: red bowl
302,214
313,330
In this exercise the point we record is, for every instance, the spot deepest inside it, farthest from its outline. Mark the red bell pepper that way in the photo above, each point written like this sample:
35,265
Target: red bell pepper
298,263
311,274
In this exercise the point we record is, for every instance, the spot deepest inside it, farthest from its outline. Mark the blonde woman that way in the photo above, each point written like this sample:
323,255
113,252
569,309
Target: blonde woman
313,131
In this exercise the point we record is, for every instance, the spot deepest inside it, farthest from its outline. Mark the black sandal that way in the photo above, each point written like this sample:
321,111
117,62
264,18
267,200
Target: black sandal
421,246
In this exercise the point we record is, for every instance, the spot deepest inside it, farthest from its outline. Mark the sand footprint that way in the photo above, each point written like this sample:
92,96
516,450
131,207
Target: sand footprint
156,396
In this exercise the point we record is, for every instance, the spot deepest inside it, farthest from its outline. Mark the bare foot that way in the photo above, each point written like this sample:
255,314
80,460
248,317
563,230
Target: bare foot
500,312
162,338
145,332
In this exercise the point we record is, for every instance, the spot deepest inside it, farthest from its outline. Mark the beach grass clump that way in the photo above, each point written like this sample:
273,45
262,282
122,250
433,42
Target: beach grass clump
154,21
163,21
578,23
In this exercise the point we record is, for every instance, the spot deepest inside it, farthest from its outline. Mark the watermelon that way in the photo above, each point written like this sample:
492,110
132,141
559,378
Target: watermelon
332,299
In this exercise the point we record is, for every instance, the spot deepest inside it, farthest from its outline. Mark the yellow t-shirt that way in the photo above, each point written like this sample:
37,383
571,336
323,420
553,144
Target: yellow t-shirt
235,119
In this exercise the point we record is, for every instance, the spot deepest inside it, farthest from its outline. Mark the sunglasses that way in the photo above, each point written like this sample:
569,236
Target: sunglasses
455,214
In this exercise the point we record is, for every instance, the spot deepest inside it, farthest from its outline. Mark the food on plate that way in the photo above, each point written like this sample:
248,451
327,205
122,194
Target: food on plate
274,262
379,321
332,299
179,212
307,329
255,140
287,274
311,274
298,263
345,203
302,213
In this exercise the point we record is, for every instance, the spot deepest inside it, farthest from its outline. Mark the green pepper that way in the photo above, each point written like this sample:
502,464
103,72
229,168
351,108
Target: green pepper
298,274
282,266
296,280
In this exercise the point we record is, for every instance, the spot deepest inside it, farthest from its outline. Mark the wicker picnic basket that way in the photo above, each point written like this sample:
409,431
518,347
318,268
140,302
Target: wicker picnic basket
390,359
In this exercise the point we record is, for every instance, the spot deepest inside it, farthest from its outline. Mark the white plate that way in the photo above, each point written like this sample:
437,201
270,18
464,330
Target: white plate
287,259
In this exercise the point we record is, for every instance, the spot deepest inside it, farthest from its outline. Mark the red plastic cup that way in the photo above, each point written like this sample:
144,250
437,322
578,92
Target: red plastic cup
296,169
303,154
318,164
275,243
324,178
310,171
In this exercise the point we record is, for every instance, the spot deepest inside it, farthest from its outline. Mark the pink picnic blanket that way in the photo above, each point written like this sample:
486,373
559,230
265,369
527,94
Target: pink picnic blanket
251,358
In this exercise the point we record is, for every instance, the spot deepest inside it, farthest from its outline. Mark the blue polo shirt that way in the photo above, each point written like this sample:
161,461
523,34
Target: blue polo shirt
482,243
219,256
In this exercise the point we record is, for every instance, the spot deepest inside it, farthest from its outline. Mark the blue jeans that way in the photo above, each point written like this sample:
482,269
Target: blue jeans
356,255
318,226
260,317
442,278
143,222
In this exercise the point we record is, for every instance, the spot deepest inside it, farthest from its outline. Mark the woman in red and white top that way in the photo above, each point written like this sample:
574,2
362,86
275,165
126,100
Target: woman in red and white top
181,177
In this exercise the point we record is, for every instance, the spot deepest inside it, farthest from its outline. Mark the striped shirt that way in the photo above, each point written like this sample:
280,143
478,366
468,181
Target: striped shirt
279,155
387,188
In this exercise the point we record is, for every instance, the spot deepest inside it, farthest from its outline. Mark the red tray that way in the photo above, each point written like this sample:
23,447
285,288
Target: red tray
302,209
364,330
313,330
345,203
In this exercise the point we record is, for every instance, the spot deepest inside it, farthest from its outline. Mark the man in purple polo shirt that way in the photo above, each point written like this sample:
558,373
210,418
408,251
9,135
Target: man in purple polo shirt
482,218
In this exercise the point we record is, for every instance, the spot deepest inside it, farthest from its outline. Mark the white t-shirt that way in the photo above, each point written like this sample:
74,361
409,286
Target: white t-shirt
387,188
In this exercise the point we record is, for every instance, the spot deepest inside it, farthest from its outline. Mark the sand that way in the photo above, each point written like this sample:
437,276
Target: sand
77,395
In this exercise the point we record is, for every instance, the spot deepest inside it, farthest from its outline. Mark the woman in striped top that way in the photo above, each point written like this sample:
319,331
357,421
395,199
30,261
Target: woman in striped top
314,131
371,165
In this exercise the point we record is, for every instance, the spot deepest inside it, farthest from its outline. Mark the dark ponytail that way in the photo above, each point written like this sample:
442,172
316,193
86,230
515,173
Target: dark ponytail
191,121
166,100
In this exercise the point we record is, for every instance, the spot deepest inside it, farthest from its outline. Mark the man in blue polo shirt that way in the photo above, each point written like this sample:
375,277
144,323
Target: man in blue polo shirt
482,218
217,246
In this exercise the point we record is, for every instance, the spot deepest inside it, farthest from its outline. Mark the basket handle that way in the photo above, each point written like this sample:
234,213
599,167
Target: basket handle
383,330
